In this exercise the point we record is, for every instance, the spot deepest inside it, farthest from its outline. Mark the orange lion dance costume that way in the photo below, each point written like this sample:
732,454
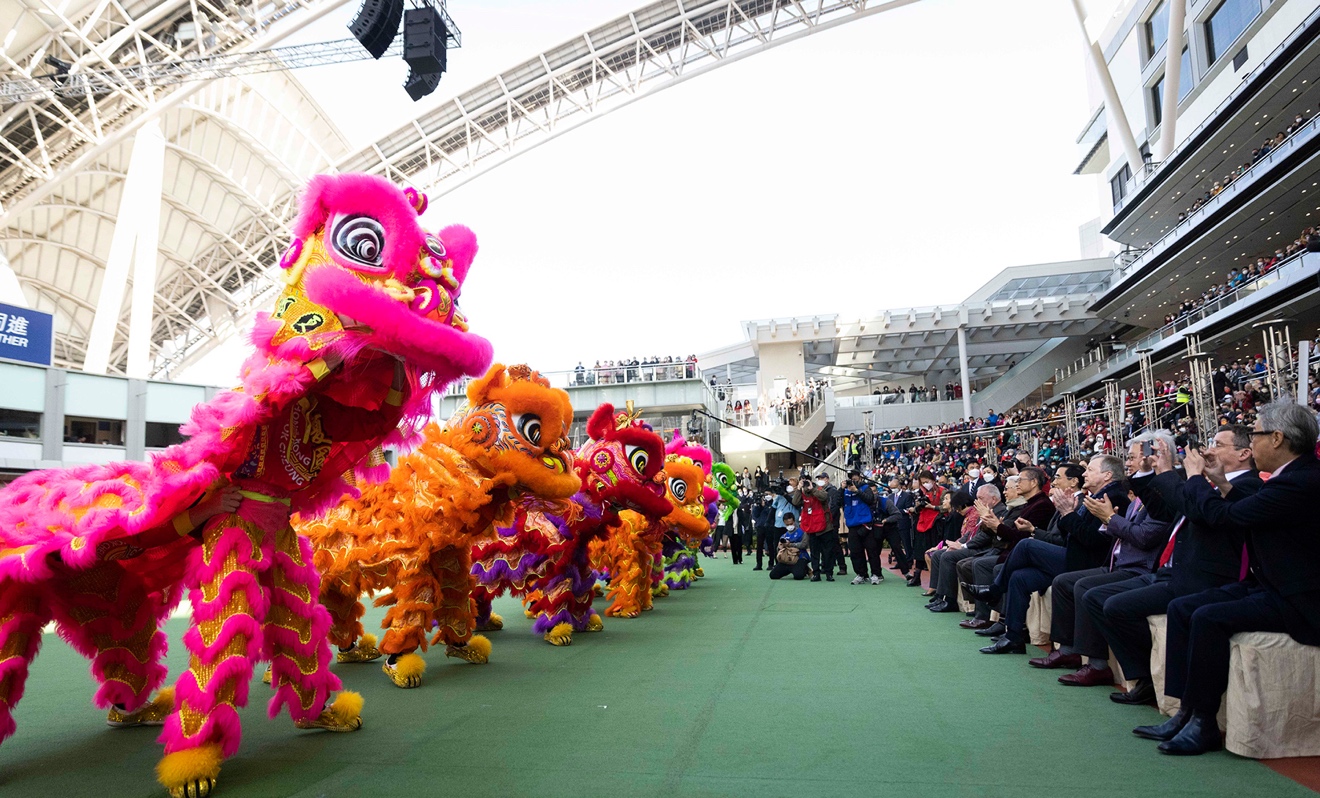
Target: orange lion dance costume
413,534
106,551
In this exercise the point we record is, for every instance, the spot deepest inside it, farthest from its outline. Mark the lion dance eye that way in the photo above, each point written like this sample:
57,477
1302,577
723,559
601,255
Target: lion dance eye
436,247
360,239
679,488
637,458
529,426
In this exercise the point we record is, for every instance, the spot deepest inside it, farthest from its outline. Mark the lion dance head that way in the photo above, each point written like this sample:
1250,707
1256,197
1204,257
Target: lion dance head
621,464
514,423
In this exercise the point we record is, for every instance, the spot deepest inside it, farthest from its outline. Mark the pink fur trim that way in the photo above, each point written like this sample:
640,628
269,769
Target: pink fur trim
370,195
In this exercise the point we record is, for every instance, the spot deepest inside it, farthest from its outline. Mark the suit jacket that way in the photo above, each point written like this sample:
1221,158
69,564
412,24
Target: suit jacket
984,539
1038,510
904,501
1278,522
1088,547
1203,556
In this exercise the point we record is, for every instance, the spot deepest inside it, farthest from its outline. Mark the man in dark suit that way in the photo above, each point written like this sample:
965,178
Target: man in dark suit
1196,558
1034,563
944,568
1283,550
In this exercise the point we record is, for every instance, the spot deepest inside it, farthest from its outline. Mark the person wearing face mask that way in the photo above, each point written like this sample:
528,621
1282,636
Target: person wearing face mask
791,556
763,523
859,510
813,503
929,499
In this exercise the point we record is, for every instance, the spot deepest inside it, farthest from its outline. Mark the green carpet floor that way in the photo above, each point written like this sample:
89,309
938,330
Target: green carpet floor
739,686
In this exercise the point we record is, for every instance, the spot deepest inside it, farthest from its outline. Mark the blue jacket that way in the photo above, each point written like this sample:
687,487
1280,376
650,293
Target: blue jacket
857,505
782,505
795,539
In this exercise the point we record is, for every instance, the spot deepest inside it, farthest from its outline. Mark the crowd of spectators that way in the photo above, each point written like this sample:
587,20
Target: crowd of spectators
647,369
1215,534
1266,147
1308,241
891,395
799,400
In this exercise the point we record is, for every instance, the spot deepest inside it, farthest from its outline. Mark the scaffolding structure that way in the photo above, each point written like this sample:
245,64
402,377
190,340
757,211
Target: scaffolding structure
1281,365
1199,375
1148,408
868,449
1070,423
1114,410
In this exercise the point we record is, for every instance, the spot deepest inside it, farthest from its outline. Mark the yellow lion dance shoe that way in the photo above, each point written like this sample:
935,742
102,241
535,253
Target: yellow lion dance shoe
561,635
493,624
364,650
190,773
344,714
152,713
476,650
406,672
595,624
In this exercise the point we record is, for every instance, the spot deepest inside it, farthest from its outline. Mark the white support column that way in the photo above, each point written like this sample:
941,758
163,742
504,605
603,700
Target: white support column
1303,371
142,312
1118,121
963,372
148,147
1172,78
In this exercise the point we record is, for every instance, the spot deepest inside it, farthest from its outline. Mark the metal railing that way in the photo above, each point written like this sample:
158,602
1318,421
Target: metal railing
1179,324
617,375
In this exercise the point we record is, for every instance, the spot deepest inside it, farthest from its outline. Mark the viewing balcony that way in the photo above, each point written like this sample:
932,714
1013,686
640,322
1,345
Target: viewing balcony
795,429
1261,297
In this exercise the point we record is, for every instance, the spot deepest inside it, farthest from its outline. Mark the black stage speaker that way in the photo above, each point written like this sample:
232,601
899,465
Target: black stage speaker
376,24
424,35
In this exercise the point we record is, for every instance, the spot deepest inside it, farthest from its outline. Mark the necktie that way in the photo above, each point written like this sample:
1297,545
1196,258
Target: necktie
1246,566
1167,556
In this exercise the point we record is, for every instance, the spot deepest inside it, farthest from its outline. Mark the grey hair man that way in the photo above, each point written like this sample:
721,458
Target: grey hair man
944,569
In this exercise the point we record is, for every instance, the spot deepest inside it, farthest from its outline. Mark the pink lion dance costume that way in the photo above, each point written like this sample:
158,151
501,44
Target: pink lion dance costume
544,557
106,551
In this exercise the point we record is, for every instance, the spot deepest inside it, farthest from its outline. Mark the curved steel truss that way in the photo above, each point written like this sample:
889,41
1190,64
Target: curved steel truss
650,49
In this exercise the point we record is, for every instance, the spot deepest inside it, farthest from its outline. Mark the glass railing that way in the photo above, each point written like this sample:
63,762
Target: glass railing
793,413
1300,136
1175,327
875,400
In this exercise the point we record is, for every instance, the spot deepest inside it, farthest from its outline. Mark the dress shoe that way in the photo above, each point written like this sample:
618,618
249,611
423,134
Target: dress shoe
816,578
1142,693
1005,646
1086,676
1056,659
1200,736
934,601
993,630
914,580
984,593
944,607
1166,730
927,593
974,623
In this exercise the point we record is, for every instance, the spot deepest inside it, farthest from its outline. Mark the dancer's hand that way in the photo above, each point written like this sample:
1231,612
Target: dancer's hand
224,501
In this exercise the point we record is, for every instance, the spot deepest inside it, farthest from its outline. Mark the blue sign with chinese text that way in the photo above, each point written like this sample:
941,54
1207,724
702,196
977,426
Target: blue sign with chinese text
26,335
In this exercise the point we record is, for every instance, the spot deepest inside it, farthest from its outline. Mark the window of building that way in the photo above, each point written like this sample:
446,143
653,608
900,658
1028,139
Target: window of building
105,432
20,424
1157,102
1118,185
1157,29
1226,23
160,435
1185,74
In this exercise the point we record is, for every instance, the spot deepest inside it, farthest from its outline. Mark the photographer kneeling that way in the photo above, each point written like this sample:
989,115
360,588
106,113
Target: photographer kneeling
791,557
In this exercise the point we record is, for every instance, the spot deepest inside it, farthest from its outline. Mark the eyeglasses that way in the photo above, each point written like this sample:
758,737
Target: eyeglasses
1256,432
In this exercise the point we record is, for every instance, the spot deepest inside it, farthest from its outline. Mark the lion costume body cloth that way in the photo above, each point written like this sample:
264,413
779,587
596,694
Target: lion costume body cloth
630,550
676,563
413,533
543,556
106,551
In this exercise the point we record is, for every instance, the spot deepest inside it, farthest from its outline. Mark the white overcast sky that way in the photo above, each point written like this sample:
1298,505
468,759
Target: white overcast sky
899,160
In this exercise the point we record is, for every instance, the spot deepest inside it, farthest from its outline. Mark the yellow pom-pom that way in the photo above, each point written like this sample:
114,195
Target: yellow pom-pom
368,641
347,706
410,665
480,644
164,699
181,768
560,635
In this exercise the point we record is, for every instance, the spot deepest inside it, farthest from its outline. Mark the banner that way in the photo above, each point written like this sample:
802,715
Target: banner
27,336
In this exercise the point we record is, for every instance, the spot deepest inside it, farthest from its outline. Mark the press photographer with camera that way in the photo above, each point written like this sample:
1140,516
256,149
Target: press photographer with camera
791,556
